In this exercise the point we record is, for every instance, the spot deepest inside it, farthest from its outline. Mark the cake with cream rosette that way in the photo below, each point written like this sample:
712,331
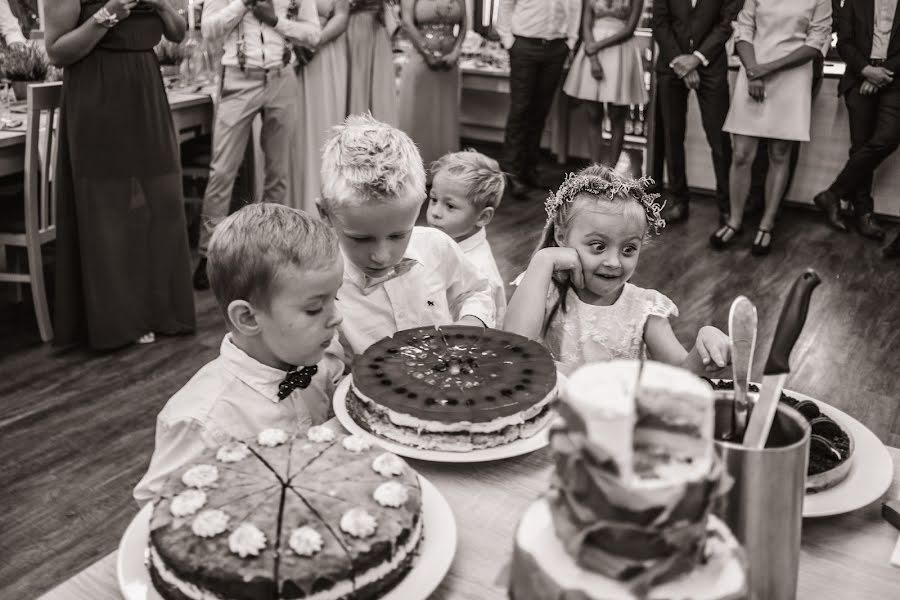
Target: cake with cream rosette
320,516
453,389
629,511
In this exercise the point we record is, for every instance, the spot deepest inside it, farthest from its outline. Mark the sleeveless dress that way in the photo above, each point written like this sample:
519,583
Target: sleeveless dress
322,87
123,264
623,73
371,85
429,99
587,333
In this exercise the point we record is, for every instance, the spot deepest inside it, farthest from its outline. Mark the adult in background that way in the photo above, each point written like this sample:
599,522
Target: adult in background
539,35
756,197
322,82
429,89
10,28
869,45
372,88
257,79
691,36
776,42
122,259
607,69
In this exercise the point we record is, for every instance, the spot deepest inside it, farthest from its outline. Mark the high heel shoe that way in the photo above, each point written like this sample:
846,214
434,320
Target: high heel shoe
718,240
762,243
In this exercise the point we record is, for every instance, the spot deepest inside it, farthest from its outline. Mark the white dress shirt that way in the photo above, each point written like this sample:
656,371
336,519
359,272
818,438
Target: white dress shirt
478,250
544,19
440,277
263,45
233,397
884,22
9,25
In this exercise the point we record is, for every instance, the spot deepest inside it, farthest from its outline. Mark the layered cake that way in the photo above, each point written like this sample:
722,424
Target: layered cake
830,446
628,514
455,388
320,517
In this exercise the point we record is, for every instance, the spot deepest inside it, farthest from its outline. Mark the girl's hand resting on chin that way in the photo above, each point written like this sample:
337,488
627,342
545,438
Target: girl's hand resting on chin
564,259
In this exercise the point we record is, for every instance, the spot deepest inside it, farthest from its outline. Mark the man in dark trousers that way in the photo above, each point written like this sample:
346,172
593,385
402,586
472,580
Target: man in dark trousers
539,35
691,36
869,43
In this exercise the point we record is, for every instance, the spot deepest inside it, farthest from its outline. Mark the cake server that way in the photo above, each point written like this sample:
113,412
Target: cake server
790,324
742,322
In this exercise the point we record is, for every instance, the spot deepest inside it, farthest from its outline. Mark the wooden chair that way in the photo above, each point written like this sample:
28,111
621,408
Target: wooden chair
39,226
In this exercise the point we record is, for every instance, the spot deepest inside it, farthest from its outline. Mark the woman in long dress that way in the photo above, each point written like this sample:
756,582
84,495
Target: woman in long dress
371,80
123,265
429,87
776,42
607,70
323,103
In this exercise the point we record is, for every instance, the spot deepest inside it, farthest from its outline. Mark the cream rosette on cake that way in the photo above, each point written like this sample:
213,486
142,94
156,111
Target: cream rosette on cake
636,472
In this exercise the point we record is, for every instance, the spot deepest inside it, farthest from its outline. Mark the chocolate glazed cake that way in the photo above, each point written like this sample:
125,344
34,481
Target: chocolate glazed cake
456,389
319,517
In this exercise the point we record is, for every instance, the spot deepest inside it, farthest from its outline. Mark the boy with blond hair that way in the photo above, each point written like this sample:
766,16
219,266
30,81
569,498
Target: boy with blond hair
398,276
275,272
466,189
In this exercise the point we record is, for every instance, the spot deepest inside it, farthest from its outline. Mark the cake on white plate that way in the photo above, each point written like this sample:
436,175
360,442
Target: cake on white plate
628,514
320,516
454,389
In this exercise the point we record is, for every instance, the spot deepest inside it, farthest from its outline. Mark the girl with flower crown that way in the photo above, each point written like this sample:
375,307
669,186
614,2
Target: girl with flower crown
575,296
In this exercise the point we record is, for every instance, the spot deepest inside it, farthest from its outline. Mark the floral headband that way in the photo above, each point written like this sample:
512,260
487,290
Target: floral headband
575,184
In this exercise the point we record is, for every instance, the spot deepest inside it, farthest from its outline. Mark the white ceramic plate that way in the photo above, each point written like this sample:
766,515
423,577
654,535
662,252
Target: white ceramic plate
435,554
871,468
516,448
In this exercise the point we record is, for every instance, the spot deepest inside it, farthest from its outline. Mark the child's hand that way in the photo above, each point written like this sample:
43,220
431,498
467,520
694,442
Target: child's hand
563,259
714,348
470,320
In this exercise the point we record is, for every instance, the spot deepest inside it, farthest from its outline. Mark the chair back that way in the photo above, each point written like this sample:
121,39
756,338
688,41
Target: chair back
41,143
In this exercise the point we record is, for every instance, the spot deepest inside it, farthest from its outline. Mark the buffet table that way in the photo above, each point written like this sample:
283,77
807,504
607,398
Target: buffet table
842,557
192,114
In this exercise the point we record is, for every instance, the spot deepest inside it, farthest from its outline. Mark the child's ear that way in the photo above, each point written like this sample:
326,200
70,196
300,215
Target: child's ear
324,213
485,217
558,237
242,316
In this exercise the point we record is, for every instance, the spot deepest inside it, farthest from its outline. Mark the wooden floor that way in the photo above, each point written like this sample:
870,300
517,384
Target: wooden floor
77,427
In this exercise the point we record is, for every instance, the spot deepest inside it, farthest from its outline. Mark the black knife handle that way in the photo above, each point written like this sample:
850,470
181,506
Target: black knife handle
790,323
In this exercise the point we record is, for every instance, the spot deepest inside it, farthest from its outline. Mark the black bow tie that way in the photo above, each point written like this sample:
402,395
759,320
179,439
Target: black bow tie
296,378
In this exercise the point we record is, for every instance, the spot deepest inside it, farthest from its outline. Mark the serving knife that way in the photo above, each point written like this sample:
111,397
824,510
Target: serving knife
790,324
742,321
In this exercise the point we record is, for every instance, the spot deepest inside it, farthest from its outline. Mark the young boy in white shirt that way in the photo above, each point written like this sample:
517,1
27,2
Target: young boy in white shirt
397,276
275,272
466,189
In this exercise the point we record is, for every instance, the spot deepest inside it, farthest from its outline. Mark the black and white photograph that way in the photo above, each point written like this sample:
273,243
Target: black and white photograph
449,299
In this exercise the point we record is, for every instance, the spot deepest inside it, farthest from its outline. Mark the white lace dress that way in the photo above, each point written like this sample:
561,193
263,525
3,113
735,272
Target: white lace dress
587,333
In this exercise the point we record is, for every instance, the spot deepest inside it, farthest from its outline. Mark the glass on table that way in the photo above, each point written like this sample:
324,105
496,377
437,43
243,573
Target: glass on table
7,96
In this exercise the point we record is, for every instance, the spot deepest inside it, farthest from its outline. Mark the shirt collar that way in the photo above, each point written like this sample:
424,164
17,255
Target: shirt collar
354,274
473,241
262,378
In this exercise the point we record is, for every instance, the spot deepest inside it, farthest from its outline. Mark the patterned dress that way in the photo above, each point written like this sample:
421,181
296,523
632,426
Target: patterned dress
123,265
588,333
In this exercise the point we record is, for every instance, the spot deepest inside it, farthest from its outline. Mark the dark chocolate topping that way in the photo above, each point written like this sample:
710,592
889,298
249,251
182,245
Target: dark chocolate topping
456,374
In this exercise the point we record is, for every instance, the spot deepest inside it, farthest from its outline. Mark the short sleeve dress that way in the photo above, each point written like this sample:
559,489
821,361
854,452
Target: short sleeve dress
777,28
587,333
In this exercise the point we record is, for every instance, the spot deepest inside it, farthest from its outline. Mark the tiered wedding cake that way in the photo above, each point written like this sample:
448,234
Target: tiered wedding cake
628,514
